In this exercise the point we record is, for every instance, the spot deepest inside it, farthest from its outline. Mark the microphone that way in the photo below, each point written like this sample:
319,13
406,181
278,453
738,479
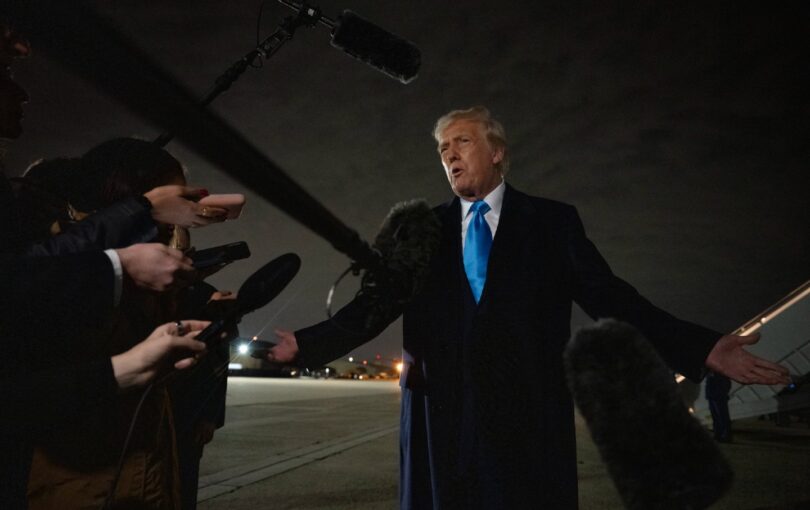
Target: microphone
380,49
658,455
367,42
406,243
258,290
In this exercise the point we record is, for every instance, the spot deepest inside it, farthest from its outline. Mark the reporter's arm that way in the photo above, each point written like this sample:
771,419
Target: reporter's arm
121,224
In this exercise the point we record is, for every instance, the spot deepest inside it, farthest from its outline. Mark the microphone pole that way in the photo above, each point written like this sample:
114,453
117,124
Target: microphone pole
306,17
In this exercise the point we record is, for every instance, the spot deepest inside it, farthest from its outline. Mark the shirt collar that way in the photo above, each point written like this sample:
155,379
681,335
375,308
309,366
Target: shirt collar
494,200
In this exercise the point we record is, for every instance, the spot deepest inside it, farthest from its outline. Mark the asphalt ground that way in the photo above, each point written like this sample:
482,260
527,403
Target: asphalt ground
315,444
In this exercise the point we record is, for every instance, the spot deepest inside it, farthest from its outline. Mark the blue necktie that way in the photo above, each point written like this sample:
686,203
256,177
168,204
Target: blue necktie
476,248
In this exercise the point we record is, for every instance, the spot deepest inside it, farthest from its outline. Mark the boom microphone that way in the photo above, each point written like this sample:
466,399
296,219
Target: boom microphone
403,249
369,43
406,242
378,48
658,455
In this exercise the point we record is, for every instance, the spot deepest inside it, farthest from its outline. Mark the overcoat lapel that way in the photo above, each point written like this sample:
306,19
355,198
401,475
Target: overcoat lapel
506,256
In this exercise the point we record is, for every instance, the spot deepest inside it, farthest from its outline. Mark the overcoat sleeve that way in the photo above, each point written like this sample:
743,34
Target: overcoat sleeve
331,339
683,345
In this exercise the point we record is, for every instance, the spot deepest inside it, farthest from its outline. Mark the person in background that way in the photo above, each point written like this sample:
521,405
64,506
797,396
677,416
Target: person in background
717,388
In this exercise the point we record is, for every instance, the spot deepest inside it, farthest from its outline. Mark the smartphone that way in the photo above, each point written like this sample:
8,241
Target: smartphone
218,255
232,202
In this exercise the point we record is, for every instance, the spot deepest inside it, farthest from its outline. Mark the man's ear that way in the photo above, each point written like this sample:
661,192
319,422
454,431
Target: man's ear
497,155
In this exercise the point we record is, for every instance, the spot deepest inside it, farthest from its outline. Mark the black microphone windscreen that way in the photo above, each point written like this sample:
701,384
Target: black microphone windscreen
267,283
383,50
406,243
658,455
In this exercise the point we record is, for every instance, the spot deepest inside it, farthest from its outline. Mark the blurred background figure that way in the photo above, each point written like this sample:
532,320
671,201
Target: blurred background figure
717,388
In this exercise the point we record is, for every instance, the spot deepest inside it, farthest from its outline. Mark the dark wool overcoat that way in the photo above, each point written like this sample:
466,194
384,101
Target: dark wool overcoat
487,420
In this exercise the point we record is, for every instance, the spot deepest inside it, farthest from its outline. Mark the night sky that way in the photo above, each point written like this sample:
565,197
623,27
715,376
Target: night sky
680,130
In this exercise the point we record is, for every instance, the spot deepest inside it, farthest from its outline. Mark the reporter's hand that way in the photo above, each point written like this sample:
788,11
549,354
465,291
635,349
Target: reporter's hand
155,266
176,205
142,363
286,348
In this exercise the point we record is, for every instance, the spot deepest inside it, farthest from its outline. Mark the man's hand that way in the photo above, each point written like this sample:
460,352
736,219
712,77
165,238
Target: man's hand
139,365
155,266
286,348
173,205
730,359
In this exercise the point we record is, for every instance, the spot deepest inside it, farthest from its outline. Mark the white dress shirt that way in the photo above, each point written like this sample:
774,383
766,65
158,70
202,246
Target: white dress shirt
494,200
118,271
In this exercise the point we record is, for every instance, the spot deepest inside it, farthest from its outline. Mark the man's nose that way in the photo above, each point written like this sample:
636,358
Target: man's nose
451,156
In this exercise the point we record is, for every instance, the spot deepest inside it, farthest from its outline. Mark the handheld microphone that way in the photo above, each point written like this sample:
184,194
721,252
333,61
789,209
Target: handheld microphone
258,290
369,43
657,454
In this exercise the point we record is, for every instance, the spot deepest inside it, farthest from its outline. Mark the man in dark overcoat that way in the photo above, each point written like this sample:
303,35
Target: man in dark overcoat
487,420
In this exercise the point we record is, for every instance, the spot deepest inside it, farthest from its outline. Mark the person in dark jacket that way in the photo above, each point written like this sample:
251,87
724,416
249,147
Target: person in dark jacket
486,418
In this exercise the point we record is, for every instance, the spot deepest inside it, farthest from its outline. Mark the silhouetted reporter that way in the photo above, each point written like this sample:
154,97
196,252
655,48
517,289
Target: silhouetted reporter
56,297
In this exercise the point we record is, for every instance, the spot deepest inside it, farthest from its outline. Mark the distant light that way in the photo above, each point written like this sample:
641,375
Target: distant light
377,356
679,378
327,370
399,367
255,338
365,362
234,366
360,377
351,359
243,348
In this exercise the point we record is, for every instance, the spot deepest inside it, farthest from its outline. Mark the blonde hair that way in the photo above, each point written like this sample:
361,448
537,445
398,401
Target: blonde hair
493,129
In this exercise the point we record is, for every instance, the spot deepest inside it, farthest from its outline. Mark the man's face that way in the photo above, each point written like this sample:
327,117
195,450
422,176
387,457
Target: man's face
12,98
469,159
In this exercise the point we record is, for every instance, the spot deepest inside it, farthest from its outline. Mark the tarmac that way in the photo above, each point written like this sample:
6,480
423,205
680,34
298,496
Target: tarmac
333,444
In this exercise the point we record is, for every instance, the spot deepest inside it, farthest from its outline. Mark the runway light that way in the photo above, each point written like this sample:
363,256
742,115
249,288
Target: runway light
399,367
243,348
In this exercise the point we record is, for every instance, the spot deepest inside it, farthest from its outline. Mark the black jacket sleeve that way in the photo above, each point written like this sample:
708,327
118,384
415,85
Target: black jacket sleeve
683,345
122,224
32,402
331,339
